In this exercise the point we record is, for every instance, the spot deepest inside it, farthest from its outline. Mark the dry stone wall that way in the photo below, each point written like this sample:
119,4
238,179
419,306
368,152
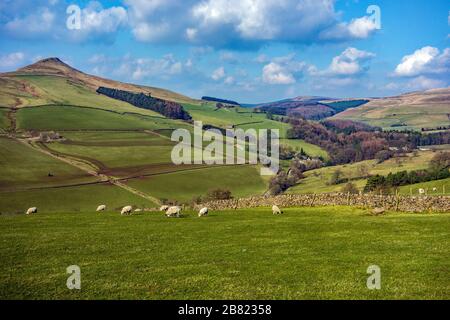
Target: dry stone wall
387,202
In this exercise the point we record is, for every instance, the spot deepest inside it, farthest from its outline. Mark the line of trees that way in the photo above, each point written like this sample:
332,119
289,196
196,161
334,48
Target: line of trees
403,178
168,109
439,169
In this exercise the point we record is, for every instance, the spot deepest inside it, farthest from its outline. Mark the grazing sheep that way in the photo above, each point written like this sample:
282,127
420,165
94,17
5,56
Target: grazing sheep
126,210
31,210
101,208
434,189
203,212
163,208
276,210
173,212
421,191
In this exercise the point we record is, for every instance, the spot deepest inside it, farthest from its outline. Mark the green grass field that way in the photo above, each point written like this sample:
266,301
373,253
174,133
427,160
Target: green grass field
84,198
410,116
316,181
244,119
307,253
58,90
242,181
118,156
80,118
442,187
22,167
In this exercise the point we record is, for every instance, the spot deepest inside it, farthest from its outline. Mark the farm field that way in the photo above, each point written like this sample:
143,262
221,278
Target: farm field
22,167
244,180
209,114
307,253
15,92
244,119
412,111
316,181
82,118
117,156
410,117
83,198
442,187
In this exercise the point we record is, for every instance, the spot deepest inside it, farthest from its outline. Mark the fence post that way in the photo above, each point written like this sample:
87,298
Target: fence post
313,199
397,199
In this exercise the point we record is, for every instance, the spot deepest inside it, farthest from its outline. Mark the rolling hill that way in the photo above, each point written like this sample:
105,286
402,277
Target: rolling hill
109,147
56,67
66,149
427,109
308,107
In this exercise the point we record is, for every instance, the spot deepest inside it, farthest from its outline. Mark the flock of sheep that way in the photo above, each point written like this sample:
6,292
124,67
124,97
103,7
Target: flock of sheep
171,212
423,191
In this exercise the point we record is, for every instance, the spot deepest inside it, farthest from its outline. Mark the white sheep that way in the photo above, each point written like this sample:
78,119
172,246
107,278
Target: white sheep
101,208
276,210
31,210
126,210
173,212
434,189
203,212
163,208
421,191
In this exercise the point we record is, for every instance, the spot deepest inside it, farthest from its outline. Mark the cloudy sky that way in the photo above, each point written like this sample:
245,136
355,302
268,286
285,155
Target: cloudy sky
247,50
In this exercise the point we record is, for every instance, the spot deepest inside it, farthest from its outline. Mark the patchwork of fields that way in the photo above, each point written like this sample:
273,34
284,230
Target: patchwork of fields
245,119
105,139
115,154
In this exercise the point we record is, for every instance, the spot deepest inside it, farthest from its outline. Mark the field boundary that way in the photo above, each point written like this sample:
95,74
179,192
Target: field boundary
80,164
399,203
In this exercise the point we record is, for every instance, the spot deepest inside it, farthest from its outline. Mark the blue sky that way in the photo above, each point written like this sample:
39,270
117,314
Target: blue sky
246,50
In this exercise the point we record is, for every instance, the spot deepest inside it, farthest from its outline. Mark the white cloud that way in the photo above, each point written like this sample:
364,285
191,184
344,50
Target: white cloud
229,80
99,20
191,33
138,69
349,62
12,60
218,74
274,73
427,60
360,28
39,22
97,58
149,32
229,57
48,21
284,70
235,23
425,83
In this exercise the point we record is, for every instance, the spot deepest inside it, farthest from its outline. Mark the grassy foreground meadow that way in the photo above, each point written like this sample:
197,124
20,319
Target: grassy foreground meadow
307,253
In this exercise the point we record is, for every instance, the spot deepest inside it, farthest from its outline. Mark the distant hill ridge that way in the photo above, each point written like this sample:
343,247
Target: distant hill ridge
213,99
427,110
